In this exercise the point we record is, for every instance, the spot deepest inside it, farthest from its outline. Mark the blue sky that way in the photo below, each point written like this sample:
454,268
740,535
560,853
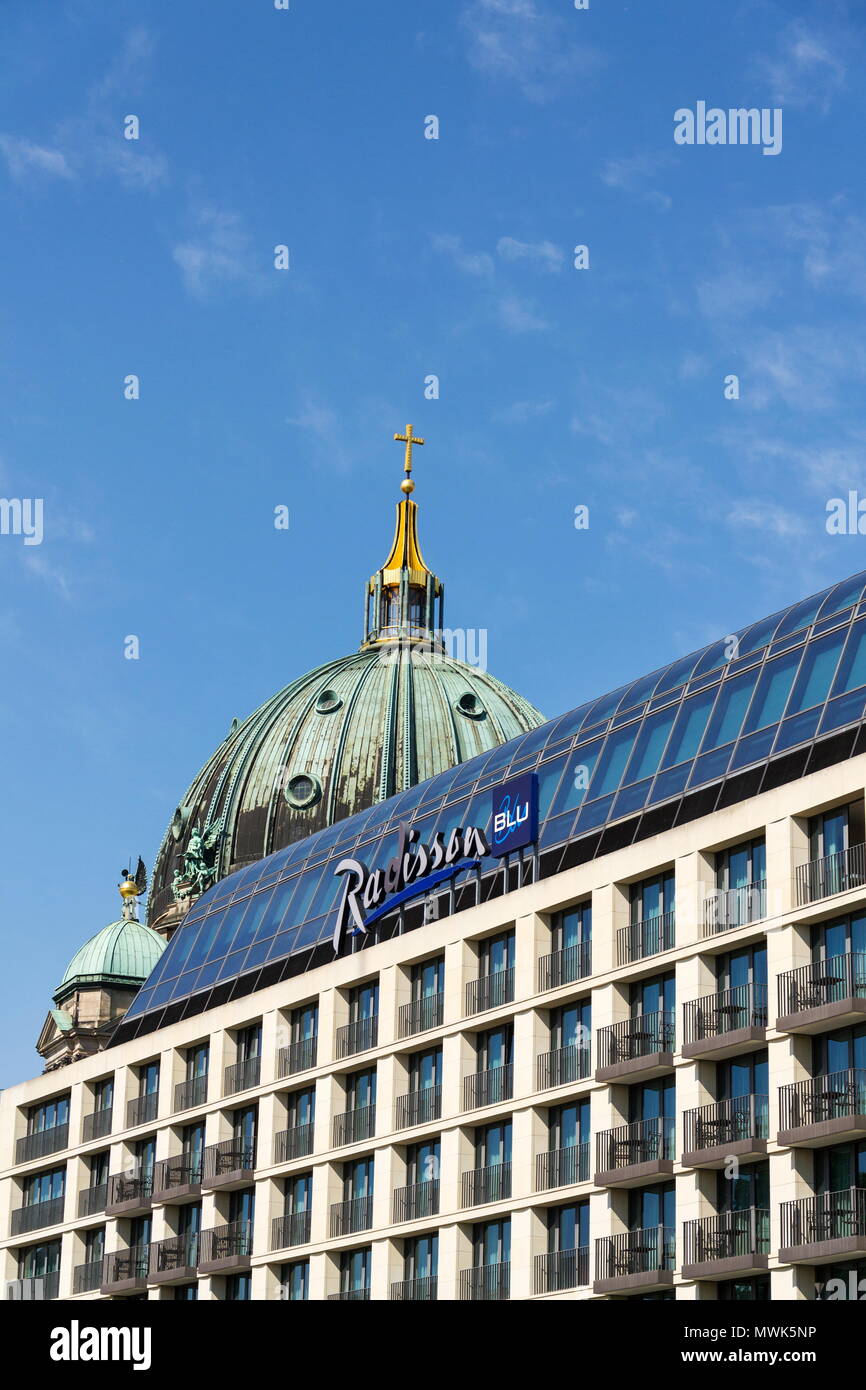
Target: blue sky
408,257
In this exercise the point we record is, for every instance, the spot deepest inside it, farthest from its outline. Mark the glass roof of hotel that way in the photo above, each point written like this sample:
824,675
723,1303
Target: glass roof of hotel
786,681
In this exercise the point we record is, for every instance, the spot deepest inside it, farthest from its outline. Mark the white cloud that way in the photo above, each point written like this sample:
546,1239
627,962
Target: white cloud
532,46
523,411
23,158
542,253
767,517
469,262
519,315
217,254
807,70
633,174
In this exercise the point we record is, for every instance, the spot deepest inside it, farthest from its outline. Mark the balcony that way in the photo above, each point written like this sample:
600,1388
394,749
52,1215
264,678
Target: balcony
728,1246
174,1261
350,1296
562,1167
490,991
230,1164
490,1184
827,1109
292,1229
177,1179
92,1200
354,1125
87,1278
418,1107
565,966
126,1271
415,1290
735,907
129,1195
835,873
97,1124
637,1049
354,1215
42,1143
416,1202
298,1056
34,1287
828,991
634,1154
562,1269
487,1087
142,1110
37,1215
562,1067
635,1261
737,1128
359,1036
823,1229
224,1249
486,1283
242,1076
190,1093
293,1143
420,1015
646,938
722,1024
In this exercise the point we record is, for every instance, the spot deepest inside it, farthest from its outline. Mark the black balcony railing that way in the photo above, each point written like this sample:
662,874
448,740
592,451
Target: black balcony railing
97,1124
293,1143
354,1125
830,1216
414,1203
835,873
565,966
292,1229
487,1087
178,1252
420,1015
635,1252
87,1277
830,1097
636,1037
562,1269
727,1122
646,938
43,1142
183,1171
490,991
826,981
229,1156
130,1187
354,1215
713,1015
645,1141
229,1242
36,1215
350,1296
487,1283
562,1167
40,1287
141,1110
490,1184
191,1092
242,1076
92,1200
733,1233
298,1056
359,1036
415,1290
735,907
563,1066
132,1263
419,1107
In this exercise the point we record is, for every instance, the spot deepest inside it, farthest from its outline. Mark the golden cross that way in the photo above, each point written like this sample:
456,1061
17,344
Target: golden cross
408,439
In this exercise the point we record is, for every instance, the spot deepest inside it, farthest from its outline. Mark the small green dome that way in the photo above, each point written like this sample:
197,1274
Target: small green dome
123,953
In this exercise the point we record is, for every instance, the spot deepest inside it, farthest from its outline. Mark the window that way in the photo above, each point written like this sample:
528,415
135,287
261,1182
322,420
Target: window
495,1049
749,1187
653,897
139,1231
197,1060
745,1290
843,1049
94,1245
653,1207
428,978
242,1207
496,954
49,1115
364,1001
832,939
301,1108
244,1133
569,1125
192,1148
185,1293
570,1025
740,969
144,1153
817,671
305,1023
422,1163
148,1079
727,717
852,667
654,1105
421,1256
742,1076
355,1270
361,1089
239,1288
37,1260
572,927
493,1145
99,1168
103,1094
772,693
741,865
491,1243
689,728
425,1069
655,995
44,1187
568,1227
295,1280
249,1043
298,1194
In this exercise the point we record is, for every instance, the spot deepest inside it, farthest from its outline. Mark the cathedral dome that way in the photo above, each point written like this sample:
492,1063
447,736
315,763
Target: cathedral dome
348,734
123,953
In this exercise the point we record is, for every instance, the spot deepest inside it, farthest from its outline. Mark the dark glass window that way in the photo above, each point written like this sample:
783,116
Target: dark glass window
572,927
428,978
301,1108
296,1281
197,1061
570,1025
354,1270
298,1194
425,1069
103,1094
568,1227
421,1256
361,1089
44,1187
820,660
305,1023
496,953
495,1048
654,995
364,1001
491,1243
239,1288
653,897
569,1125
493,1144
48,1115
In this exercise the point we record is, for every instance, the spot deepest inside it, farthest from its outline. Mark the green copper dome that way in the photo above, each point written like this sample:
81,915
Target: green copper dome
123,953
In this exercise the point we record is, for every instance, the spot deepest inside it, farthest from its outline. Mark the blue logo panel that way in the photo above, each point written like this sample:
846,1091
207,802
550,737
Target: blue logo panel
515,814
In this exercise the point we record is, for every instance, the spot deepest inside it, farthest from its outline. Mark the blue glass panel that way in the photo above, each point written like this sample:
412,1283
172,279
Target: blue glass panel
689,728
161,994
258,953
650,745
555,830
632,799
232,965
797,730
670,783
311,932
604,708
756,746
640,691
207,975
759,635
612,762
727,717
283,943
595,813
774,686
184,984
801,614
718,655
843,596
678,673
224,936
626,718
852,667
816,672
711,766
575,780
843,711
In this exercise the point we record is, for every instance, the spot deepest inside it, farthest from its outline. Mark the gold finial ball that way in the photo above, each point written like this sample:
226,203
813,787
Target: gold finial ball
407,486
128,888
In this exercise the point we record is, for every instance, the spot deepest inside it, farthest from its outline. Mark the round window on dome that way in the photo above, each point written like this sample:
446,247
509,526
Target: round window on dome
179,822
470,705
303,790
328,701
